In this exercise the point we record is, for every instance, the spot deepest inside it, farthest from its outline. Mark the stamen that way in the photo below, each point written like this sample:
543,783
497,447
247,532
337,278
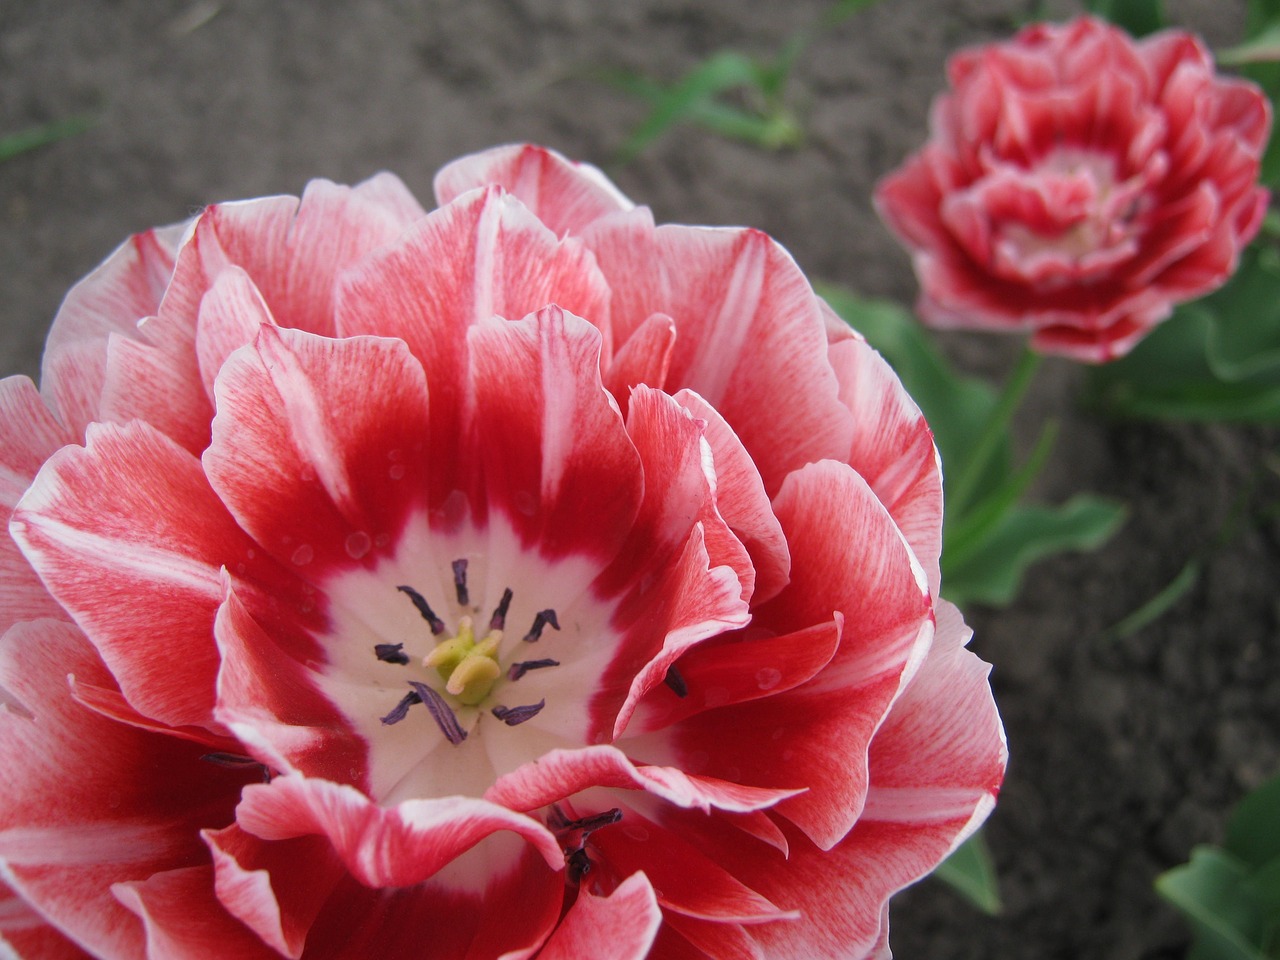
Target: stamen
419,601
460,582
499,618
676,682
391,653
402,708
594,822
518,670
235,761
512,716
540,620
440,712
577,864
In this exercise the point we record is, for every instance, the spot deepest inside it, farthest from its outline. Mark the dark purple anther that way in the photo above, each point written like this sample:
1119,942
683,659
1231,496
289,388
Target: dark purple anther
676,682
518,670
419,601
402,708
391,653
441,713
235,761
460,582
540,620
499,618
512,716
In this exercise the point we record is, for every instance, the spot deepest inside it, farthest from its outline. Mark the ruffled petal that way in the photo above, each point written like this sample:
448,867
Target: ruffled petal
621,926
563,194
24,933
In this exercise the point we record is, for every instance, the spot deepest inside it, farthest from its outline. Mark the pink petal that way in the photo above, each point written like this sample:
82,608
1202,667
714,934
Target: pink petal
266,695
159,386
384,847
112,299
277,889
893,449
562,773
564,195
131,515
749,332
91,802
644,358
29,435
555,455
484,255
741,500
620,926
321,447
713,940
230,314
185,921
27,934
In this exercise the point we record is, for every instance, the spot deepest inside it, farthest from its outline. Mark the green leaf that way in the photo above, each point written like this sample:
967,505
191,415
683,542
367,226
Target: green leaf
1159,605
43,135
721,72
971,872
1253,832
989,570
1139,17
1263,48
1211,892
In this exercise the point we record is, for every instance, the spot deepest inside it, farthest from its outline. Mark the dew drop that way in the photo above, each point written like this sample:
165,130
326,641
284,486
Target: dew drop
382,539
394,455
358,544
251,553
768,677
396,471
240,569
303,555
636,832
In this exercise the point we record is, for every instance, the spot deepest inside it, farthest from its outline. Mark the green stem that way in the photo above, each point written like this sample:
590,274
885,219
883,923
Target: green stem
992,433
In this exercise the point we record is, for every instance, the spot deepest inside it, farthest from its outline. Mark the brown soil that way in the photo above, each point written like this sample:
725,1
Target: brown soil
1125,753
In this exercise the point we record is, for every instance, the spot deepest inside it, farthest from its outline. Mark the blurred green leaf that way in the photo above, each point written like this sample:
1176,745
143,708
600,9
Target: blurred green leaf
1253,832
971,872
1210,892
989,571
1160,604
1263,48
43,135
1215,359
1139,17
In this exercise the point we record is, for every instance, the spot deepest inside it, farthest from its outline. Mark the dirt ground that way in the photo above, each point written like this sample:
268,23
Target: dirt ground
1125,753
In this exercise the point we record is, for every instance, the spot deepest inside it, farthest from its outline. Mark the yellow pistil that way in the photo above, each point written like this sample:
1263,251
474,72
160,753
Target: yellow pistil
469,668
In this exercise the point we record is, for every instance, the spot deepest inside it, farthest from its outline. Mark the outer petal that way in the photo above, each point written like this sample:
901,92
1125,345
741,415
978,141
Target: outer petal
29,435
91,802
621,926
564,195
24,933
749,332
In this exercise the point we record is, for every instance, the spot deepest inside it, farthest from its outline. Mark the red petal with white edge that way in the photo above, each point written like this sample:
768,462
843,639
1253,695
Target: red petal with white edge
563,194
750,335
708,939
230,315
265,695
484,255
736,669
131,515
562,773
620,926
124,289
849,558
384,847
741,500
893,449
145,382
941,753
507,915
29,435
556,457
320,447
644,358
24,933
685,879
90,802
278,888
185,921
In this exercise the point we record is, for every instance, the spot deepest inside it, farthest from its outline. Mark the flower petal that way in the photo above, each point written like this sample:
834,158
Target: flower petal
24,933
564,195
621,926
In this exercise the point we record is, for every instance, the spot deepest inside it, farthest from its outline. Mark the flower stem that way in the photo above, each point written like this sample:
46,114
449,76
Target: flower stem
993,432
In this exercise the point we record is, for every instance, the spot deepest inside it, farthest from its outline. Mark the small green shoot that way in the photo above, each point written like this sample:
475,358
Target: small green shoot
33,138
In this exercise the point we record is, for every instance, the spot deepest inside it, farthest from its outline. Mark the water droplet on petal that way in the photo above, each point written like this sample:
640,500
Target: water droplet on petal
358,544
303,555
768,677
382,539
636,832
251,553
396,471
